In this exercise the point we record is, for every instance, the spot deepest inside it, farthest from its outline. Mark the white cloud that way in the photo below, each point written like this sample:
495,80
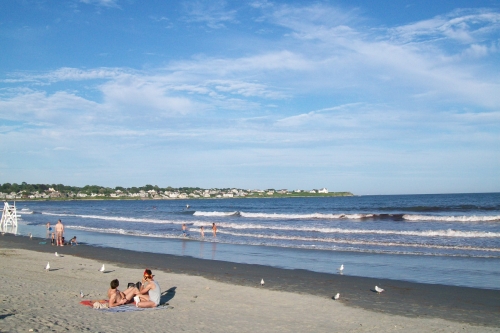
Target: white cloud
213,13
102,3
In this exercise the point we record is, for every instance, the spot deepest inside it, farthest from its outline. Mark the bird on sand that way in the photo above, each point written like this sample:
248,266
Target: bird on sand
47,268
57,254
102,268
31,236
336,297
81,294
378,290
341,269
262,282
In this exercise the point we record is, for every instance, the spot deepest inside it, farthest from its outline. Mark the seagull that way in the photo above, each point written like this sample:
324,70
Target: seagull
187,206
262,282
47,268
341,269
378,290
336,297
102,268
57,254
31,236
81,294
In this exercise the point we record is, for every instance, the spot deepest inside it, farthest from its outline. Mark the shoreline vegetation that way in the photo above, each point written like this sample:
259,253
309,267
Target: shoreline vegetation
43,192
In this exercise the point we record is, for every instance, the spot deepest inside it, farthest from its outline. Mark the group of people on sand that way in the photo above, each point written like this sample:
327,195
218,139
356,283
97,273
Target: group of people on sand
146,294
202,231
58,236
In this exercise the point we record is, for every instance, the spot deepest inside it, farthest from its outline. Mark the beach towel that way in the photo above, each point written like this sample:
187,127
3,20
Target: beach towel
123,308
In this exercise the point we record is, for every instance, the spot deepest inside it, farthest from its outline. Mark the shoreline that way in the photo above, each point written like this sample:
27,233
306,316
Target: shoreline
412,300
169,199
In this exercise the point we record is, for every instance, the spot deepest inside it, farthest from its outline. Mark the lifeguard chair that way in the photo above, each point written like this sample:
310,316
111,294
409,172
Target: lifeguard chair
9,216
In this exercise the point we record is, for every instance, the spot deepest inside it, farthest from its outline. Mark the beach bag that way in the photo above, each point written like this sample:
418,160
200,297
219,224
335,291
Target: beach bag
132,285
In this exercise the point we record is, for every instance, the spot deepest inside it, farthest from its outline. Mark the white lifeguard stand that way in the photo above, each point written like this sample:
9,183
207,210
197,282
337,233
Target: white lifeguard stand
9,216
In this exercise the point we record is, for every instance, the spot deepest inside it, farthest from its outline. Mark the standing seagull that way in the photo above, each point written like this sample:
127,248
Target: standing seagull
102,268
187,206
47,268
262,282
378,290
31,236
81,294
336,297
341,269
57,254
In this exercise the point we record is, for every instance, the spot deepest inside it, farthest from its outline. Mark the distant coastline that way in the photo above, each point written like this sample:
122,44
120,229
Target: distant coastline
60,192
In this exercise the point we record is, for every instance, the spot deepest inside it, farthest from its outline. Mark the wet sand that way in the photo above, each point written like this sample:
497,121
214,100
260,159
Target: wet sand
415,306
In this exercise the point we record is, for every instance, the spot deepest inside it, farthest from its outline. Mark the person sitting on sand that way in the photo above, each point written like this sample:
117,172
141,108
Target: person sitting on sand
149,295
73,241
117,297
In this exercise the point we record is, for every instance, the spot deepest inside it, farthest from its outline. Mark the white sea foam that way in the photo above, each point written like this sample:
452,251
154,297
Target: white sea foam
119,218
328,242
473,218
236,226
216,214
424,233
361,242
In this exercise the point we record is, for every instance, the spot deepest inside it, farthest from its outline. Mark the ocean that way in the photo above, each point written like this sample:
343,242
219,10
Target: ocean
450,239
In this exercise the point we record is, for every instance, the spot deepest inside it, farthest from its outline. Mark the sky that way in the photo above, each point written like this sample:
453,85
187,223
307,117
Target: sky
371,97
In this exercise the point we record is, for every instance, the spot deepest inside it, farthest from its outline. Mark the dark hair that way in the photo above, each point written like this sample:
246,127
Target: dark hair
114,284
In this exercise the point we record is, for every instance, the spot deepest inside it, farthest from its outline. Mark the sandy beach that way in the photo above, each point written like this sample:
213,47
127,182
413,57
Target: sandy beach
213,296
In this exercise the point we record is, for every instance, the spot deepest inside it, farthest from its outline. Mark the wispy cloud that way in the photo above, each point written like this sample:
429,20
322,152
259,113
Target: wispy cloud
212,13
102,3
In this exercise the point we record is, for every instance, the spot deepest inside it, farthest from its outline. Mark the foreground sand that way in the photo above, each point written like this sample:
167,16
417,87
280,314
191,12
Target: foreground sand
33,299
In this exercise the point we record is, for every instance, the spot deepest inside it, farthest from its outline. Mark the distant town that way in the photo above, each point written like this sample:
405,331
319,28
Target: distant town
26,191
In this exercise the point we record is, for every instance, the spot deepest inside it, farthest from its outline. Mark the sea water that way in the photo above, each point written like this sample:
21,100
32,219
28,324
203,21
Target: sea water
451,239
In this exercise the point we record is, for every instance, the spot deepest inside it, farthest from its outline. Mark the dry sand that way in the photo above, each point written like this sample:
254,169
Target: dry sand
39,301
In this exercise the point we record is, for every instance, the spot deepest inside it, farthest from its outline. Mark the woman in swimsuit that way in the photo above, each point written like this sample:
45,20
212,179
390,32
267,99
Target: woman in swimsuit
149,294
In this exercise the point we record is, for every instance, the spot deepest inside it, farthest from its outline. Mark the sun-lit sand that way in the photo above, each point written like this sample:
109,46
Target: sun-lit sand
41,301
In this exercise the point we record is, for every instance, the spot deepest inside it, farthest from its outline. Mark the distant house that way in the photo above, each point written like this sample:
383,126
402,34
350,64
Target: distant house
323,190
312,191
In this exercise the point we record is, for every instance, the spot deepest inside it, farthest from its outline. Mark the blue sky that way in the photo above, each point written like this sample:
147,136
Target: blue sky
372,97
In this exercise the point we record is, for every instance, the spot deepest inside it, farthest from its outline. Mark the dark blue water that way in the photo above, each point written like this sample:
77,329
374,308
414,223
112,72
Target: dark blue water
449,239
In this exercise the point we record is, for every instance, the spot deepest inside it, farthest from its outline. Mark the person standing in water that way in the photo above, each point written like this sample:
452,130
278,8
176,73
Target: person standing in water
214,229
59,233
202,232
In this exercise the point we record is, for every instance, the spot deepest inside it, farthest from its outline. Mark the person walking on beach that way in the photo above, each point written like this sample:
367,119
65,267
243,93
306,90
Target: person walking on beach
149,295
59,233
202,232
214,229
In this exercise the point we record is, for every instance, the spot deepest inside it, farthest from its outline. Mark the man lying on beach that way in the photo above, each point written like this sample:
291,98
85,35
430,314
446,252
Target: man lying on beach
117,297
149,295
